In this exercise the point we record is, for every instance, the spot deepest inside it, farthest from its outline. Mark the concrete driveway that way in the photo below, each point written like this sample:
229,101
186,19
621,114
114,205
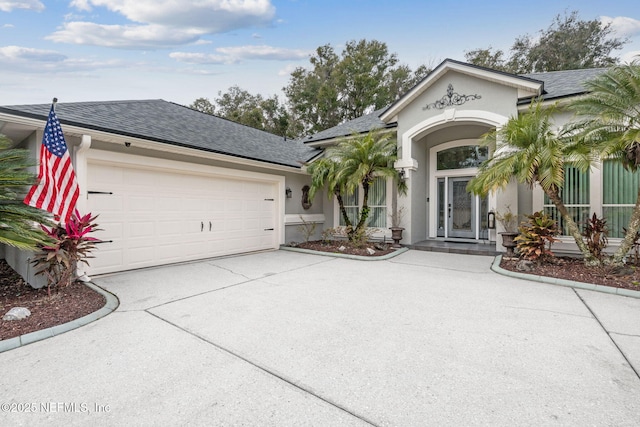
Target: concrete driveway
291,339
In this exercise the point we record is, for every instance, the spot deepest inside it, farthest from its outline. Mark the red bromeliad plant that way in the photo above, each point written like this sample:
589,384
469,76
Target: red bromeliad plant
71,245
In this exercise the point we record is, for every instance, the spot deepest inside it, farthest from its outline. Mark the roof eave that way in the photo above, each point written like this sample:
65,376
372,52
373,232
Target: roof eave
154,144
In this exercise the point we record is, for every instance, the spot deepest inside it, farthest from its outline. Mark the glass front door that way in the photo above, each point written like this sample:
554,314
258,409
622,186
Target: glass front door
461,209
460,213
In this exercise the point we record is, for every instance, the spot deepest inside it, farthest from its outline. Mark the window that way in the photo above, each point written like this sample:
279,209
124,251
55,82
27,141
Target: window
619,194
575,196
351,206
377,204
617,190
466,156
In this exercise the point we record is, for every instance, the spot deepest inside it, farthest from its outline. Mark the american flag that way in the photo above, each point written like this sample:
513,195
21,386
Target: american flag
57,188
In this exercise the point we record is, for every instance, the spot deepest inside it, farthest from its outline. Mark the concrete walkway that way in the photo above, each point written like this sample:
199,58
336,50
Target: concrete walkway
291,339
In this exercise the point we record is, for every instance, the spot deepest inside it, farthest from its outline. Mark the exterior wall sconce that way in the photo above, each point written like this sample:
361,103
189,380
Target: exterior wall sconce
402,175
287,192
491,220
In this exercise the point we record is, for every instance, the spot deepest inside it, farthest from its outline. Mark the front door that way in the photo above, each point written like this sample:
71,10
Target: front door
461,209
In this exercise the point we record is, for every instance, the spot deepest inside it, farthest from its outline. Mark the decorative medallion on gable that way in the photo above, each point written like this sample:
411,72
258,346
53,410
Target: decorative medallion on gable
451,98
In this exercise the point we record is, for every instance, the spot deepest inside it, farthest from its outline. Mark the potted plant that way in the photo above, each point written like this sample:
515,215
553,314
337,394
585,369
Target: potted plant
396,228
509,222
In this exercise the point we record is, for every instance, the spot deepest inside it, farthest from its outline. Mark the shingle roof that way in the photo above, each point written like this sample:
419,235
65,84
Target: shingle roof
173,124
358,125
560,84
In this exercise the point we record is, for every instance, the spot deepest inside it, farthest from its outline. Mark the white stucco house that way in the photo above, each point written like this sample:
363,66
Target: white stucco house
437,125
171,184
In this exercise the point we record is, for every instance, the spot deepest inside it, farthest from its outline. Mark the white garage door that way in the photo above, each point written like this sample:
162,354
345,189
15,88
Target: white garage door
154,217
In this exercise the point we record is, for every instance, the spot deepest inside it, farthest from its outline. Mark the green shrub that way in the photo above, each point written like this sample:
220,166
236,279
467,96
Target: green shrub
537,234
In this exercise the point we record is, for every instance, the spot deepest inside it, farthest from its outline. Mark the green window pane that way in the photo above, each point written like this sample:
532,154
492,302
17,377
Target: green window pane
575,196
619,194
619,186
617,219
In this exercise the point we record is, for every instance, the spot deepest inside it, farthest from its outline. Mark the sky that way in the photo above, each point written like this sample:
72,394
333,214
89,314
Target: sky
182,50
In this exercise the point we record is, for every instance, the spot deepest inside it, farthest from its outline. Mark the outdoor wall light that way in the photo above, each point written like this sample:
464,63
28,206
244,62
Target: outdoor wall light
491,220
402,175
287,192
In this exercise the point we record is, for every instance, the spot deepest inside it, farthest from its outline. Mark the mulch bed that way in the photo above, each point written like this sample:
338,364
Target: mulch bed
574,269
334,246
64,304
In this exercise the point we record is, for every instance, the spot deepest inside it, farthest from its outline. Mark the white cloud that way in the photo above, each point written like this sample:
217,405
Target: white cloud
622,26
286,71
21,59
16,54
231,55
122,36
629,57
81,5
163,23
209,16
263,52
200,58
8,6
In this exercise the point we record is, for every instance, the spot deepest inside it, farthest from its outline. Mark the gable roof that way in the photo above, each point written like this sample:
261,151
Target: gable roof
360,124
526,86
169,123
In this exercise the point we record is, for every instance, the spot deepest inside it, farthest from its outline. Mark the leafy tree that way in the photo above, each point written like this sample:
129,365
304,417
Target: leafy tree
17,219
204,106
487,58
569,43
312,95
527,148
609,120
242,107
365,77
355,162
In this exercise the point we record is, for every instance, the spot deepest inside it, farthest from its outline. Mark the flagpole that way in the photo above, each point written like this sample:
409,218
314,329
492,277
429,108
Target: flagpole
54,102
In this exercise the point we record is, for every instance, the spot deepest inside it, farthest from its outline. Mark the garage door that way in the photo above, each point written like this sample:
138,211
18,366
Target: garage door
154,217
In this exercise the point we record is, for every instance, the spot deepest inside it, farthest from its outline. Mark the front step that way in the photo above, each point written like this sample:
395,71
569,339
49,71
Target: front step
465,248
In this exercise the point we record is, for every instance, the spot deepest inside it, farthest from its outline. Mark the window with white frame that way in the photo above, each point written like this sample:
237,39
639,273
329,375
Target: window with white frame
617,189
575,196
619,194
377,204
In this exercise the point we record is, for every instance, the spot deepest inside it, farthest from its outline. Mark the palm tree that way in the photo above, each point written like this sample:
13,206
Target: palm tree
610,121
17,219
324,172
362,158
356,161
527,148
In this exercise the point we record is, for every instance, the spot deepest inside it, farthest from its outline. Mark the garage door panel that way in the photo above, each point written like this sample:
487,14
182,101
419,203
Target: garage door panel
156,216
105,203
